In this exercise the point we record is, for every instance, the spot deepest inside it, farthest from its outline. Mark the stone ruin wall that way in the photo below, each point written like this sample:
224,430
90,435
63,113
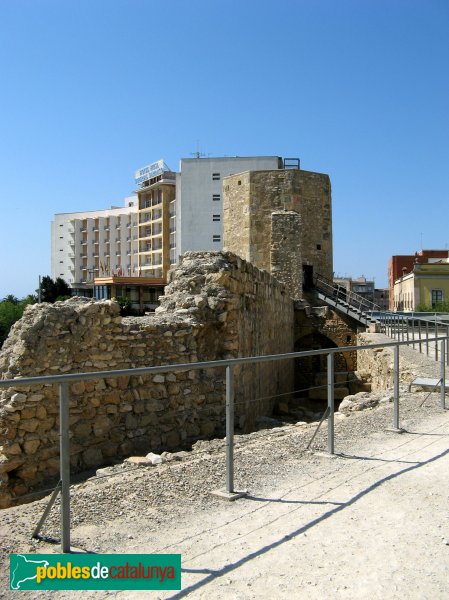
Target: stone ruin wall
340,329
376,365
285,259
322,327
216,306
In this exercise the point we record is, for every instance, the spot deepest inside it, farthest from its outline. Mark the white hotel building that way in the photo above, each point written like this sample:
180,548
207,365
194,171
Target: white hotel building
86,245
129,250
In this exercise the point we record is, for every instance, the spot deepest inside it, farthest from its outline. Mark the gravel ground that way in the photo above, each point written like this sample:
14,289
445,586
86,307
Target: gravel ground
169,508
149,506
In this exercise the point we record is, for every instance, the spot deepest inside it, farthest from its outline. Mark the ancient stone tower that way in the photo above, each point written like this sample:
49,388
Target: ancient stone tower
281,221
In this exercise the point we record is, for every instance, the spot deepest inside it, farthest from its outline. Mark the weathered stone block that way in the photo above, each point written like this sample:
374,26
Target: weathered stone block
30,446
92,457
82,430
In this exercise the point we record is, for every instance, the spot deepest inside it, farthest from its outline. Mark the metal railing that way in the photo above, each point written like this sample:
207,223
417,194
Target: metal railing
63,382
415,329
343,296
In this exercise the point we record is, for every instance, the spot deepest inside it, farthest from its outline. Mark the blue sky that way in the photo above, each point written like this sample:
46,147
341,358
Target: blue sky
92,90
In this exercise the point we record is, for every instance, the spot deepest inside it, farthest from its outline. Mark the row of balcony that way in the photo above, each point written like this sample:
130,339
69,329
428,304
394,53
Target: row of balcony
151,264
147,218
156,216
84,242
129,251
107,254
149,203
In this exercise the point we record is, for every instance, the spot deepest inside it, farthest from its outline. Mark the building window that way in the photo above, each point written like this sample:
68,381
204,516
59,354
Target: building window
318,246
239,182
216,197
216,218
216,238
215,176
437,297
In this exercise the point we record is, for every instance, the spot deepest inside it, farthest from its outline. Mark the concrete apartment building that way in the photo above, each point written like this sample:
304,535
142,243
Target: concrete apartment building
365,288
90,244
156,211
359,285
199,198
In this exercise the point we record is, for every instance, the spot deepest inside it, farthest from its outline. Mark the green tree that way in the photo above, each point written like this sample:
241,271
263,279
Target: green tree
11,310
440,307
51,291
125,306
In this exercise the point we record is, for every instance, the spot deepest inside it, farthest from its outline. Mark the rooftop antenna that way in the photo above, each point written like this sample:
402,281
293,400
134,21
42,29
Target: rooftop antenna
197,154
421,241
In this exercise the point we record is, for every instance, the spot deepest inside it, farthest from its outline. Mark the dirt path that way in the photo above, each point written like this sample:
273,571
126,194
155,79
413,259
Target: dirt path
371,523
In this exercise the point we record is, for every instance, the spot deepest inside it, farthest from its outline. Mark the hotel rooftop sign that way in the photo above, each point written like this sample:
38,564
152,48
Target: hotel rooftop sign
150,171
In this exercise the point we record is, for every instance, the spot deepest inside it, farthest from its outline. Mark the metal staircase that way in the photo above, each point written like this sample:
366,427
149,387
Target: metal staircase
346,302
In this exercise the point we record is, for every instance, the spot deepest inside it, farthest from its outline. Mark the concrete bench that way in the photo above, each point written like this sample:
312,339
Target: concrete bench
427,383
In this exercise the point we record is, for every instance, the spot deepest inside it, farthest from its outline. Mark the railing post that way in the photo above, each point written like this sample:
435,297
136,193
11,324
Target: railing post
436,339
419,331
443,374
396,389
230,430
330,403
447,345
64,460
427,338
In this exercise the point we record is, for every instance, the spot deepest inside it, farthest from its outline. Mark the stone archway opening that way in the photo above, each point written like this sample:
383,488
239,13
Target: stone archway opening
311,374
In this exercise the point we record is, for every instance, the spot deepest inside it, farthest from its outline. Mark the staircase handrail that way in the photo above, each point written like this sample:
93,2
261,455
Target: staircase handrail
340,292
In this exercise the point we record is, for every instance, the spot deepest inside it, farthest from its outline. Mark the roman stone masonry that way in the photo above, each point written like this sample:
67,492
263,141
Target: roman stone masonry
377,365
250,231
321,327
281,221
285,257
216,306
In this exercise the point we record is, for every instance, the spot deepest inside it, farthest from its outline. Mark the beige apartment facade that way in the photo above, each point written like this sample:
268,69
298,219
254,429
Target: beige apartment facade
427,285
156,203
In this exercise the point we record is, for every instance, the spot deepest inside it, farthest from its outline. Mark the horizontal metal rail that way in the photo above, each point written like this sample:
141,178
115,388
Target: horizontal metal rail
229,364
403,326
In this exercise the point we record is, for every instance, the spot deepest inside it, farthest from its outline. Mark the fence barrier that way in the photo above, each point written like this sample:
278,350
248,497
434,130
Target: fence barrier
64,398
401,327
